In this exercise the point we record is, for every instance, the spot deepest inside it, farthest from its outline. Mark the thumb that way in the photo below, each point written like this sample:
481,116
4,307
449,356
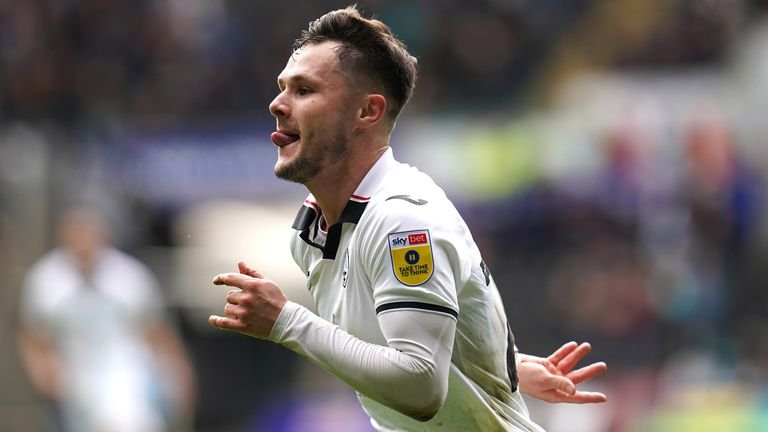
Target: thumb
244,269
562,383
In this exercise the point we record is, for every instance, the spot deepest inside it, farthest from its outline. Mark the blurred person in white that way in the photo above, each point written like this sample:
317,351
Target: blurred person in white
410,316
94,338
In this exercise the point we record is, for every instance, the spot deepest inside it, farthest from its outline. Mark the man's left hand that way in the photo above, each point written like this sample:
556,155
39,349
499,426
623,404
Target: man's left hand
552,379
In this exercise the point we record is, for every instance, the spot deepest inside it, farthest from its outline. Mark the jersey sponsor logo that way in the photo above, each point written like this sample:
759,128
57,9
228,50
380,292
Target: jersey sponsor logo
416,239
411,254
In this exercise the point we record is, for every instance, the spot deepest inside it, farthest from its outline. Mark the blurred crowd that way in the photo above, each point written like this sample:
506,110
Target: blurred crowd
653,250
87,62
664,272
94,61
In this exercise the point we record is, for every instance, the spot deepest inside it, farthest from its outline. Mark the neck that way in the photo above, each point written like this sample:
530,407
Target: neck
333,187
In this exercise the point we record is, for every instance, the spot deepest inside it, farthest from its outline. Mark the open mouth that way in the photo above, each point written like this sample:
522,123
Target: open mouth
282,138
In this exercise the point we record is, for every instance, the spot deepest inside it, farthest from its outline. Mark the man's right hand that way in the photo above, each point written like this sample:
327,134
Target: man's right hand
253,308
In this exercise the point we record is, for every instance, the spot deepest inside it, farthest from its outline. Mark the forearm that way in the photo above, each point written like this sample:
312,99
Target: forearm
173,360
40,363
410,375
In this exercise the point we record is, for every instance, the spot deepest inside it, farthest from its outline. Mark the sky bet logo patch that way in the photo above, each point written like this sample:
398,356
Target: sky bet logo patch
411,253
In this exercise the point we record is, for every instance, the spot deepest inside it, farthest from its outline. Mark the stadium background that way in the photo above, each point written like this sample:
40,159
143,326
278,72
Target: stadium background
609,156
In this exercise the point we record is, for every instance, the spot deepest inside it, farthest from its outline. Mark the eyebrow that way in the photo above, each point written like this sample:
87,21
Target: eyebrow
298,78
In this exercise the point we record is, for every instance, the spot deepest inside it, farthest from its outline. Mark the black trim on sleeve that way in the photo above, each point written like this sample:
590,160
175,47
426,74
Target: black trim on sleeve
514,380
417,305
486,273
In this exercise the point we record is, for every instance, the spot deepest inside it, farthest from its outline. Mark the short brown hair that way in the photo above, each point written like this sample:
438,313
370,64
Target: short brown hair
368,49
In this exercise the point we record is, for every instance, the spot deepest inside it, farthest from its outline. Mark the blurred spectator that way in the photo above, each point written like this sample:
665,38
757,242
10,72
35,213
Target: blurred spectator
94,338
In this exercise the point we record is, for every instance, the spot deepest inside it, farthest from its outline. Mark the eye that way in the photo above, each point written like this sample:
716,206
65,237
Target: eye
303,91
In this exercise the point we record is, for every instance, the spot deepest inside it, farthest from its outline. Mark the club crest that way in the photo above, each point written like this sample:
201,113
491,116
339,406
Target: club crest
411,253
345,272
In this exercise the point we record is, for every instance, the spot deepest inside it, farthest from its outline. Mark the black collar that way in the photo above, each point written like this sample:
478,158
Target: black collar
307,222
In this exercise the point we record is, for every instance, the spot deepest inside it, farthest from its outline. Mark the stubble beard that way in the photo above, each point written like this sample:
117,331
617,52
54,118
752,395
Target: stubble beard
308,164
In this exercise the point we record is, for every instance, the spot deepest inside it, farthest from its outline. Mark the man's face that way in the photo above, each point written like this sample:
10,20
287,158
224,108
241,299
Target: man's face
314,112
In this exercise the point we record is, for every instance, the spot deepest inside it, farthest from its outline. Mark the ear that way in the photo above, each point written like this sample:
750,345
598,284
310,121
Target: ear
373,109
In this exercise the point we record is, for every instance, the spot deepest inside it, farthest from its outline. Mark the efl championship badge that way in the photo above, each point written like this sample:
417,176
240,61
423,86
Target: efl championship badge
411,253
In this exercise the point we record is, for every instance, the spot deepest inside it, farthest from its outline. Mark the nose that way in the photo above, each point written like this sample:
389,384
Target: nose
278,107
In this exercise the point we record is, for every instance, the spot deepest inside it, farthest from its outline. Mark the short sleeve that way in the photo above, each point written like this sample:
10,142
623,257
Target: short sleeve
32,310
140,289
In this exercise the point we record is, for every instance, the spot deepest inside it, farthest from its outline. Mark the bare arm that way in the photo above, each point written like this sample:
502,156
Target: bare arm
174,364
41,362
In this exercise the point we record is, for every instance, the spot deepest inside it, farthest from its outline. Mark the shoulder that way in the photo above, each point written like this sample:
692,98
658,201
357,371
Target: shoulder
410,206
409,198
126,275
51,265
118,260
50,261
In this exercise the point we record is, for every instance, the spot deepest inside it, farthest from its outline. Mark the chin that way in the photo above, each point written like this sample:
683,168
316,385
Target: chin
286,171
284,162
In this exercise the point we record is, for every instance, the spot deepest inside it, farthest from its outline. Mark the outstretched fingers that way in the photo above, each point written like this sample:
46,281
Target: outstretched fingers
584,397
587,372
574,357
245,274
253,308
562,352
232,279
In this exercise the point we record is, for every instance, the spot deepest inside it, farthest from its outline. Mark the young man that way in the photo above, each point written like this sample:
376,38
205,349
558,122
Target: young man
410,316
94,339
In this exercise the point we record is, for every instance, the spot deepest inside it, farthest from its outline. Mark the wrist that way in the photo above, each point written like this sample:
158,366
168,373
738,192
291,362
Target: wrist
282,321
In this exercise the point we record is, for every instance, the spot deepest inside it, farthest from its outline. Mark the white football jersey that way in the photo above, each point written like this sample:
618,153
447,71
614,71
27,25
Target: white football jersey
400,244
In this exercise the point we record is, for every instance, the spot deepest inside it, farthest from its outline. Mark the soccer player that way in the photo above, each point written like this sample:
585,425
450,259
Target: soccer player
409,314
94,339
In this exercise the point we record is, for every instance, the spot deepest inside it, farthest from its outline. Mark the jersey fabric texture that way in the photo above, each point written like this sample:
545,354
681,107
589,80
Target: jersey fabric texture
400,246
